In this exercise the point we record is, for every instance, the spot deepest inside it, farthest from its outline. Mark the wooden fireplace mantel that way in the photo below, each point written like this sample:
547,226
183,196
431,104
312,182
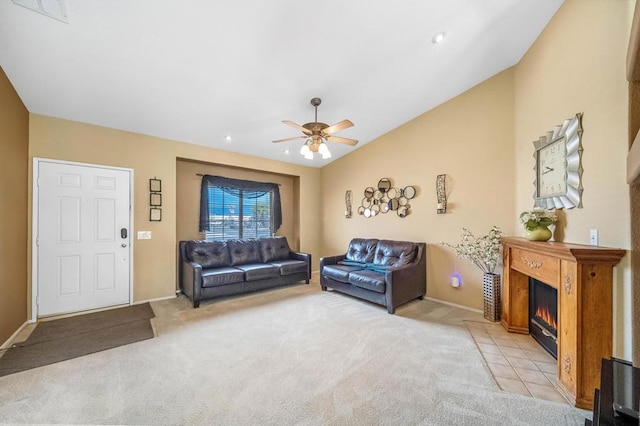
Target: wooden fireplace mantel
583,276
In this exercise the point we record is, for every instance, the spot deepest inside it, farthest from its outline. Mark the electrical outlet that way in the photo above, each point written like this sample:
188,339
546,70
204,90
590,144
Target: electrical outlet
593,237
144,235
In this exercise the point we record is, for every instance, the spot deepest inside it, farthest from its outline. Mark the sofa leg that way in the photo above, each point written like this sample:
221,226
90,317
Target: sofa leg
391,310
323,288
421,297
306,281
196,304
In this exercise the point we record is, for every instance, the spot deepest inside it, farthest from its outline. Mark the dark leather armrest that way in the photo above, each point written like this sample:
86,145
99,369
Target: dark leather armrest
407,281
192,281
306,257
331,260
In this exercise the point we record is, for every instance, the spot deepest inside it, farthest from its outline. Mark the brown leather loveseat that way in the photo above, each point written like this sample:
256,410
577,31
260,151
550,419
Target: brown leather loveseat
389,273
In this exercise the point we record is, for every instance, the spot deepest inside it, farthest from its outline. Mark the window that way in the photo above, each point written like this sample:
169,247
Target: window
232,208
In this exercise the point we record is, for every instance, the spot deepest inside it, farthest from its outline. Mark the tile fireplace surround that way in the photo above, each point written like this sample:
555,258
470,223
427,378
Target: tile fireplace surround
583,276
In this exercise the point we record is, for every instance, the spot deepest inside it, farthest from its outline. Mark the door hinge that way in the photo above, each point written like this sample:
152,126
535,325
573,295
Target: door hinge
37,241
37,300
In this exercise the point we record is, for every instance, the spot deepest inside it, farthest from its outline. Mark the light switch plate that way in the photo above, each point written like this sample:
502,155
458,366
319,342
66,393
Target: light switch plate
144,235
593,237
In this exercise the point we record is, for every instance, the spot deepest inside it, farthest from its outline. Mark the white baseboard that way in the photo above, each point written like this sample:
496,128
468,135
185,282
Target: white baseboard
454,305
10,340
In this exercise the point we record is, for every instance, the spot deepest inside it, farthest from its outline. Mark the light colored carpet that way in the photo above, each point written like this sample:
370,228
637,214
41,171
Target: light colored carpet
287,356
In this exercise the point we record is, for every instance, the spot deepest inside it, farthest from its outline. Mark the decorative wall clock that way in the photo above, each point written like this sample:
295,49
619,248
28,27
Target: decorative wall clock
559,166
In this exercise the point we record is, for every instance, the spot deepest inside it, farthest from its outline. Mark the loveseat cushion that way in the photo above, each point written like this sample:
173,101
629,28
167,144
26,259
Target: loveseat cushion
395,253
288,267
244,252
361,250
339,272
209,254
221,276
369,280
274,248
259,271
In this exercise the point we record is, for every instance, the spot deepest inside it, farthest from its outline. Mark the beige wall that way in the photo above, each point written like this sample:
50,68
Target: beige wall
578,64
155,259
188,196
469,138
14,143
483,141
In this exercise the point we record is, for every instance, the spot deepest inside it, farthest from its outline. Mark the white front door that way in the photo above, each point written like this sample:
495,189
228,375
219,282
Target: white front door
83,236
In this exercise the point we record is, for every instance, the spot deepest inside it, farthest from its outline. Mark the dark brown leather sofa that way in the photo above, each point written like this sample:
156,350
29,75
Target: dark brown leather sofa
209,269
389,273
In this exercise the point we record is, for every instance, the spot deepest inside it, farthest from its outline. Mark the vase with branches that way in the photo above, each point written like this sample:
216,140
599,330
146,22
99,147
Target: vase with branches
484,252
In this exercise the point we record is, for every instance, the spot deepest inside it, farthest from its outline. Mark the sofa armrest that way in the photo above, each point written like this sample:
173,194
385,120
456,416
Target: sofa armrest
192,281
407,282
305,257
331,260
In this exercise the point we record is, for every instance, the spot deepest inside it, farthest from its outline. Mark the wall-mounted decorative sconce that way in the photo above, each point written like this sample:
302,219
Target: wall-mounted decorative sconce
155,200
347,202
441,193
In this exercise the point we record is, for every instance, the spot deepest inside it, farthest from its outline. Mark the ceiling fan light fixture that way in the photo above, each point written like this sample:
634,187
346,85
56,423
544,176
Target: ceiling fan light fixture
316,134
324,151
306,152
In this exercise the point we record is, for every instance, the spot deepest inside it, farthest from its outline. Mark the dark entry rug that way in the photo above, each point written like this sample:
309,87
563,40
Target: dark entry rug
66,338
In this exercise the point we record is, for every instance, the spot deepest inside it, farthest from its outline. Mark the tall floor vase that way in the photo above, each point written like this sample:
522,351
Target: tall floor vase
491,284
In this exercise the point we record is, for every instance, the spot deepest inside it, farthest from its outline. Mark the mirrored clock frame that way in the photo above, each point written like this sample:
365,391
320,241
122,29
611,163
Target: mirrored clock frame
570,132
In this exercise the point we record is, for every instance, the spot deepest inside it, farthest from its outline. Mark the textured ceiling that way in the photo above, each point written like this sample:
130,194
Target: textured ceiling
199,70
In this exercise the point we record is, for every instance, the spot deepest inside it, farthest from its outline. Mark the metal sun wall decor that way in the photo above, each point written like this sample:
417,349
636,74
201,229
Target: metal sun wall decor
386,198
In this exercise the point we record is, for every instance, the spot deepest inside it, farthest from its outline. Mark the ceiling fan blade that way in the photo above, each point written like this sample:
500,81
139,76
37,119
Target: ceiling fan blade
289,139
345,141
297,126
344,124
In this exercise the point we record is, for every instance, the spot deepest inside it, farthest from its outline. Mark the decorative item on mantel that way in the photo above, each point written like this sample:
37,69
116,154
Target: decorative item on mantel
536,223
484,252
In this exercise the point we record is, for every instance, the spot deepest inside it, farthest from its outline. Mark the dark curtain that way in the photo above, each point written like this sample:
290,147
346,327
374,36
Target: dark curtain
233,187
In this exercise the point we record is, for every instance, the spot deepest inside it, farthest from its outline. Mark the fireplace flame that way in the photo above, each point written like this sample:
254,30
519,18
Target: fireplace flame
543,313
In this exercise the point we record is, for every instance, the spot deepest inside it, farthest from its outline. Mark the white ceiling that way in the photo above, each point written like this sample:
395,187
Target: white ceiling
198,70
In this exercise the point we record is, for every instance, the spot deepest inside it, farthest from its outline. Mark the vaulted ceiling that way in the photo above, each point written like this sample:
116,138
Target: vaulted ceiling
225,74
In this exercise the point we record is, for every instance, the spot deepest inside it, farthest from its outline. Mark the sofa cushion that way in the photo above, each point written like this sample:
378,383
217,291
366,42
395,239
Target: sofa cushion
221,276
369,280
395,253
274,248
288,267
259,271
361,250
244,252
209,254
339,272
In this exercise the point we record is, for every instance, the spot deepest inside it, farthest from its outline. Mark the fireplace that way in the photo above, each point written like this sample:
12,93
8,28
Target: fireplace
583,277
543,315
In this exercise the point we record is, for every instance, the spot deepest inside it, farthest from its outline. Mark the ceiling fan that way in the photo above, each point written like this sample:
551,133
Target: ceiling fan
315,133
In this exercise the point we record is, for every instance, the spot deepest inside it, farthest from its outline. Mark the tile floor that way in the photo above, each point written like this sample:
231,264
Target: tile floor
517,362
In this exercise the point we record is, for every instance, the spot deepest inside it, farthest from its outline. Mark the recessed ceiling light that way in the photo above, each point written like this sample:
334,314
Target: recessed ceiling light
227,138
438,38
286,151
